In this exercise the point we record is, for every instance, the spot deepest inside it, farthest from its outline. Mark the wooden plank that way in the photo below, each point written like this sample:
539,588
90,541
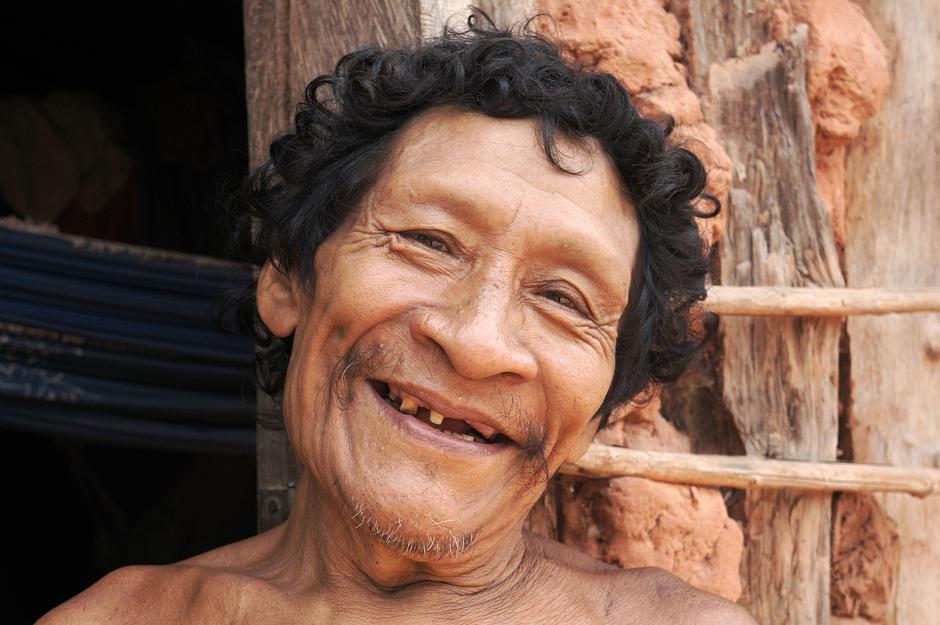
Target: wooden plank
892,228
778,375
718,30
290,42
287,44
268,95
818,302
277,470
606,461
115,247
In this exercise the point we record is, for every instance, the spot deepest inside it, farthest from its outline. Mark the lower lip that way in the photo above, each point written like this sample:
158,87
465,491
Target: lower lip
433,437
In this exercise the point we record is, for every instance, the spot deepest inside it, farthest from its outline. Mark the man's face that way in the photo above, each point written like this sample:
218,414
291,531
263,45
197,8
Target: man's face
484,284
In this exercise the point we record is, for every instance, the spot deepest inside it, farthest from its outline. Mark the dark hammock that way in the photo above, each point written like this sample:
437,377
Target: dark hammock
118,344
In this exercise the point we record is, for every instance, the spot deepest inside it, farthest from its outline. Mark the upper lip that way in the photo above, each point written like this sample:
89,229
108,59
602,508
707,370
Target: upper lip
438,403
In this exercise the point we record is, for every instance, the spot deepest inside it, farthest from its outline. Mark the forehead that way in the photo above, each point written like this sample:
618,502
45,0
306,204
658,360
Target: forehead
473,143
494,174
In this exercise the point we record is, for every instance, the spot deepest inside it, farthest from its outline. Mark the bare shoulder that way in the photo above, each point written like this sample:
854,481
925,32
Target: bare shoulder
188,591
639,596
565,558
657,596
119,597
141,595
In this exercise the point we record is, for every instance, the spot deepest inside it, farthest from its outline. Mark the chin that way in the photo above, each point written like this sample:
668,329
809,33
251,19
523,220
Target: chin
407,536
420,511
414,486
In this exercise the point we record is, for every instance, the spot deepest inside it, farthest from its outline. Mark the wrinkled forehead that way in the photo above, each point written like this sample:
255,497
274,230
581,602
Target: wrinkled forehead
451,140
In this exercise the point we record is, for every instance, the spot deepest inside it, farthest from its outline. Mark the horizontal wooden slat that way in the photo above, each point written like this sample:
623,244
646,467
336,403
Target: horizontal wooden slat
819,302
605,461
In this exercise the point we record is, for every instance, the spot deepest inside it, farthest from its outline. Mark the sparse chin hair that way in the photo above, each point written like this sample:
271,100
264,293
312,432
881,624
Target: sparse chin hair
408,541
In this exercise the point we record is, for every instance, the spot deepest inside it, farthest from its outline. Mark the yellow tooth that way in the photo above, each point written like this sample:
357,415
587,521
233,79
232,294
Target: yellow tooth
466,437
436,418
408,405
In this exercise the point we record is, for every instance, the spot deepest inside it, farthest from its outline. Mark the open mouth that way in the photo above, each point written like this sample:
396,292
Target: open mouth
457,428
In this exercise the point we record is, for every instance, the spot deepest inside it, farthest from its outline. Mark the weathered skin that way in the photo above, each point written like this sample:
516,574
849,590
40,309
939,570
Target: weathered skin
478,277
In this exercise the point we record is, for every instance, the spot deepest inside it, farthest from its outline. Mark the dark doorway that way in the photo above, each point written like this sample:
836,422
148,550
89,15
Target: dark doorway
124,123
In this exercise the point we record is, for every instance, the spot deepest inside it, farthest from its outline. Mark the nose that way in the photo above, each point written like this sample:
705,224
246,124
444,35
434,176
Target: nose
478,331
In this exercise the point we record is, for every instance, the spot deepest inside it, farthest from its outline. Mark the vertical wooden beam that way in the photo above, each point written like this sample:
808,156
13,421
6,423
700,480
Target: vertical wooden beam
268,92
287,44
778,376
892,228
718,30
290,42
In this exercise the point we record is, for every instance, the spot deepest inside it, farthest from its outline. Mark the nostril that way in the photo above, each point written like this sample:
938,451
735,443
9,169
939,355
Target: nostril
426,329
477,344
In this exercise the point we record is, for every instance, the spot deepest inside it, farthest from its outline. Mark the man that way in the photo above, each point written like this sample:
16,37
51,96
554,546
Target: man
470,253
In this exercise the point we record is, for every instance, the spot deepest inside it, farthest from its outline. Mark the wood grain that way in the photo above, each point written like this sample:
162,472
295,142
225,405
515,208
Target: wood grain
288,43
818,302
717,30
893,230
606,461
778,375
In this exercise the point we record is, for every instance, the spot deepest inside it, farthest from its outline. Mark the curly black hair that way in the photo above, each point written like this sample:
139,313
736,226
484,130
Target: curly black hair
343,130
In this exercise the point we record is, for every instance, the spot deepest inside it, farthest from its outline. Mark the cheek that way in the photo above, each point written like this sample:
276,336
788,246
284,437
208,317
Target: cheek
359,301
576,387
351,288
361,297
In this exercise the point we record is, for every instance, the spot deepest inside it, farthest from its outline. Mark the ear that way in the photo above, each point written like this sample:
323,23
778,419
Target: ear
584,440
278,300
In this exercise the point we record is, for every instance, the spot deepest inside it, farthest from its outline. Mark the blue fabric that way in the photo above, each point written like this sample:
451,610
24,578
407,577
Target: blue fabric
119,344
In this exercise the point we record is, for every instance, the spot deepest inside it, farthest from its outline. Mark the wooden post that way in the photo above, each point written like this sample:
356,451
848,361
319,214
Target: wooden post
893,228
778,375
288,43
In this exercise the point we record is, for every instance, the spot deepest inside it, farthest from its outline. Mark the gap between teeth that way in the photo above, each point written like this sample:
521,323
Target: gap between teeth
410,406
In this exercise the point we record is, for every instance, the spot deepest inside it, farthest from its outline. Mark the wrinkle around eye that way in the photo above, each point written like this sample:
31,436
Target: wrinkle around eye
418,253
603,333
605,337
361,238
600,336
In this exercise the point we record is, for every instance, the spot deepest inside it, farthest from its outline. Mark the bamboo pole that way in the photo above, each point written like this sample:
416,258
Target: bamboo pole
604,461
773,301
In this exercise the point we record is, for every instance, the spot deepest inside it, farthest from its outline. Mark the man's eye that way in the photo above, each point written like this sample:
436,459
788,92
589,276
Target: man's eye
561,298
427,240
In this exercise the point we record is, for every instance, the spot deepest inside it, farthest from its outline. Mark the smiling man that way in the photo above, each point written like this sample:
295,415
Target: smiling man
470,253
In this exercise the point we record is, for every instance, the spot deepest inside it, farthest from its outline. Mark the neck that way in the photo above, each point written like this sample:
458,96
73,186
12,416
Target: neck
324,555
